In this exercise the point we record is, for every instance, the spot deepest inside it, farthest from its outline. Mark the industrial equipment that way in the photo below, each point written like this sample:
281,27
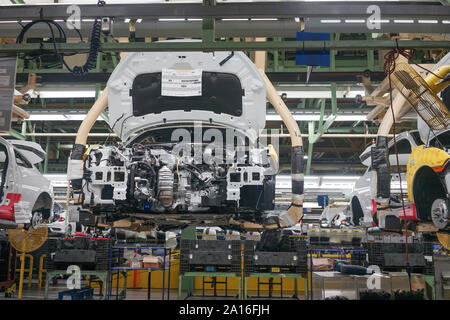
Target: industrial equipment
190,127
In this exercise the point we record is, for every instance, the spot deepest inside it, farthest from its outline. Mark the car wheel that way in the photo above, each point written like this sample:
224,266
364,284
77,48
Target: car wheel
36,219
69,230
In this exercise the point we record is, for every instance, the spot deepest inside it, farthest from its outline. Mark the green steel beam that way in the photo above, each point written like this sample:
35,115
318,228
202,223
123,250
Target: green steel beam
229,45
323,126
17,134
47,149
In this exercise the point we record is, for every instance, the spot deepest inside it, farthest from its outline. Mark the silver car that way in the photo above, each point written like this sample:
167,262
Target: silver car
26,196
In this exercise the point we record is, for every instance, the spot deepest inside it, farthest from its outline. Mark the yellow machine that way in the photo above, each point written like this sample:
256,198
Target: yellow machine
25,241
428,186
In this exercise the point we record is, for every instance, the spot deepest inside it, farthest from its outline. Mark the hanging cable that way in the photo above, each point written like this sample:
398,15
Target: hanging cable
389,68
95,43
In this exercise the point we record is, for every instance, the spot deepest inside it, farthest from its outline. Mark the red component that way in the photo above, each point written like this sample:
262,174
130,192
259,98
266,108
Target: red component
409,213
61,219
80,234
7,211
374,207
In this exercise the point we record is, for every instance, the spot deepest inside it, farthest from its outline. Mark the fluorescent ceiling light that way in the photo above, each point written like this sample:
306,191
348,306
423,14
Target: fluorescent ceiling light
355,21
379,21
60,117
234,19
428,21
320,94
446,21
178,19
127,20
330,21
264,19
67,94
139,20
403,21
316,117
194,19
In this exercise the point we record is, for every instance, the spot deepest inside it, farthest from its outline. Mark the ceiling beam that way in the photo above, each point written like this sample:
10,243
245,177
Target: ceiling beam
228,46
276,9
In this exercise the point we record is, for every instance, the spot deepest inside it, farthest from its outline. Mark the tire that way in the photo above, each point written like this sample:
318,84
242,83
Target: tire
69,230
357,211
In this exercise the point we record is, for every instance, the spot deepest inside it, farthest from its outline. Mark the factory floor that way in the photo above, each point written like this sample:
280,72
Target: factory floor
35,293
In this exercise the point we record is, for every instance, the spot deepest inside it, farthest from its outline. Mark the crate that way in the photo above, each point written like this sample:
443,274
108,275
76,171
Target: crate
392,256
292,260
210,256
87,253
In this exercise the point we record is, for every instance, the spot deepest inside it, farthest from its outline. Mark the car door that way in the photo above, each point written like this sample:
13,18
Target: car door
8,182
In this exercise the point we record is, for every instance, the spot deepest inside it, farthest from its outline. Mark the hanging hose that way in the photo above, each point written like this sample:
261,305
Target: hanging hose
91,61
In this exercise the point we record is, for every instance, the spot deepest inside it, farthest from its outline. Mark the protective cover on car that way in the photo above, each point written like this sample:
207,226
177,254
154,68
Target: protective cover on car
149,89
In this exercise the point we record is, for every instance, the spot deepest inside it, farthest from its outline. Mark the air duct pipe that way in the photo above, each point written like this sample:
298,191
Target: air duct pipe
295,211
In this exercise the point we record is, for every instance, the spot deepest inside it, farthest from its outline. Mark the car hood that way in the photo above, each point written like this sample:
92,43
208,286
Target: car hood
149,89
31,150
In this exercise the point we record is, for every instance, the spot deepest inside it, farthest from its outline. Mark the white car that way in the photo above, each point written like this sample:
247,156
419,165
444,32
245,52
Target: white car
26,196
61,224
363,203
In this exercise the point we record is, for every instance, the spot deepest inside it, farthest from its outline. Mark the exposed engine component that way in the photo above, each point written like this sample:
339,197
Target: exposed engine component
153,178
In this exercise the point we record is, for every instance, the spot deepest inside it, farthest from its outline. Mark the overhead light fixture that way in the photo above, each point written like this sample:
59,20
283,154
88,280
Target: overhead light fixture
330,21
298,94
177,19
67,94
234,19
316,117
194,19
60,117
139,20
428,21
264,19
403,21
355,21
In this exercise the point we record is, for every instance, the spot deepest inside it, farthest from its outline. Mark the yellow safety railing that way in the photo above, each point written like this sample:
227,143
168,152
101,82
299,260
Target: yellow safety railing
41,269
22,271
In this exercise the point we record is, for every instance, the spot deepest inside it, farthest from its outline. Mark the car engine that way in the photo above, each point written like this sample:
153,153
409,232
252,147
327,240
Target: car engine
155,178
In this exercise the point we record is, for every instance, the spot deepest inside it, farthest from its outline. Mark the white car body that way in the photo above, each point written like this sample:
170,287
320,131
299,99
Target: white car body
26,195
363,195
61,224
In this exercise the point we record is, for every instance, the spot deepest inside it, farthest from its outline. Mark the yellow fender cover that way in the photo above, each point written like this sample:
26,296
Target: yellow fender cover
420,156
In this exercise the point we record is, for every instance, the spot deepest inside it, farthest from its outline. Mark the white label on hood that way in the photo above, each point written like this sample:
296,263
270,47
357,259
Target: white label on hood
181,83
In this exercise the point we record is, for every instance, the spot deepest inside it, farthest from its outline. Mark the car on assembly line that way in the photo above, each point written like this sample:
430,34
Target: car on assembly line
362,198
362,203
26,196
61,224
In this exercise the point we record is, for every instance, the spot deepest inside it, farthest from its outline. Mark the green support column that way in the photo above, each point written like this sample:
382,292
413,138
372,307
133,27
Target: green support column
30,129
47,149
323,126
187,283
208,25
